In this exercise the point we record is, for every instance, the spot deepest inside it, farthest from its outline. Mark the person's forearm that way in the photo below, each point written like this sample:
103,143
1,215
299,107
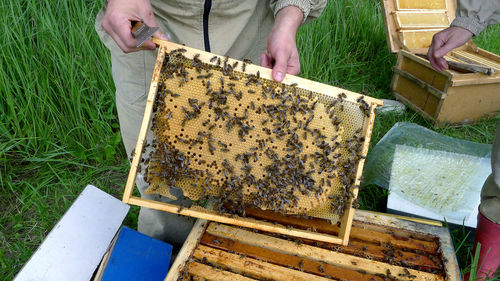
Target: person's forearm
475,15
288,19
282,55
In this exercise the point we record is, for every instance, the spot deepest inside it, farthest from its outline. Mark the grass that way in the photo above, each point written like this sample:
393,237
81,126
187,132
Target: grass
58,125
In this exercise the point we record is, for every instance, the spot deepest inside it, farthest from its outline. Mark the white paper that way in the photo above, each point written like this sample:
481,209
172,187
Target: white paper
445,184
77,243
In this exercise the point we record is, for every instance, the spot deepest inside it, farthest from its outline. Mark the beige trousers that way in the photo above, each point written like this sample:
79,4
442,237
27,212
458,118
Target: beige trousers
490,194
132,77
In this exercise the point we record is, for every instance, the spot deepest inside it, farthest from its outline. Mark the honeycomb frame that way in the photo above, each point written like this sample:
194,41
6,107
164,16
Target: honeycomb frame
200,212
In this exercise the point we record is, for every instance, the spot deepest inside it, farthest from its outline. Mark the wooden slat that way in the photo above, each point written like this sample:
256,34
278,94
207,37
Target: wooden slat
381,253
376,220
399,233
421,19
314,253
447,249
421,61
390,25
129,187
346,222
363,217
208,272
358,233
408,103
252,267
187,249
417,39
429,88
286,260
485,54
475,79
206,214
421,4
445,242
456,79
475,59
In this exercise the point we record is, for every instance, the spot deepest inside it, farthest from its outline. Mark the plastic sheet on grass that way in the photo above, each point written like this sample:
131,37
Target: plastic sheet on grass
439,173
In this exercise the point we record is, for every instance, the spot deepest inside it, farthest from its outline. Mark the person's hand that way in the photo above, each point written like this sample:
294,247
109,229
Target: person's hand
282,55
117,23
445,41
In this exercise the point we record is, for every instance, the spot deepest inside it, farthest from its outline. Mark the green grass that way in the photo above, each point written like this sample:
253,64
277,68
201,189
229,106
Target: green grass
58,125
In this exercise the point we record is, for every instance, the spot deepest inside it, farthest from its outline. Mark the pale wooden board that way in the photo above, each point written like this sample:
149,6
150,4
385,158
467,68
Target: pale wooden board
430,89
311,252
129,187
417,39
470,57
187,250
421,20
474,101
290,261
209,273
445,242
203,213
253,267
346,223
77,243
421,4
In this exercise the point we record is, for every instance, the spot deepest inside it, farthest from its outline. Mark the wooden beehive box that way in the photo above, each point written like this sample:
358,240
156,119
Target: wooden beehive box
382,247
224,130
449,96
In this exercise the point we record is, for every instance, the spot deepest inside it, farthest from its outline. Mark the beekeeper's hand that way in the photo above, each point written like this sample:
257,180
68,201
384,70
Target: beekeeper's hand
445,41
117,23
282,55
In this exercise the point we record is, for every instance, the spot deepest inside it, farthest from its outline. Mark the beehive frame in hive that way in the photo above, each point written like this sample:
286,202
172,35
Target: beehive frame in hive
255,73
382,247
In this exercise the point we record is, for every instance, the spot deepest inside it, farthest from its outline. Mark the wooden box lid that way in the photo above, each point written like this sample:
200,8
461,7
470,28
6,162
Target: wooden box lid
411,24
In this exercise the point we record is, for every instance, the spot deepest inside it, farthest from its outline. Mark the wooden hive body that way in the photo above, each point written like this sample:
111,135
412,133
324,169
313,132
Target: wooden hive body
449,96
194,143
382,247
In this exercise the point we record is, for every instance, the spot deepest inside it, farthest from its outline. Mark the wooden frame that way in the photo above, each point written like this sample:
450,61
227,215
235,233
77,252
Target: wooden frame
202,213
400,15
436,96
279,258
456,97
389,9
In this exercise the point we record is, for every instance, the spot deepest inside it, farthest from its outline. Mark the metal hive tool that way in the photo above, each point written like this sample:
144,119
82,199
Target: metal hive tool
222,128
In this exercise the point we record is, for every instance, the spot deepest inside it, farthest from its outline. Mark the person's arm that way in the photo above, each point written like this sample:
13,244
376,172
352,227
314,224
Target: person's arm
282,55
117,23
472,17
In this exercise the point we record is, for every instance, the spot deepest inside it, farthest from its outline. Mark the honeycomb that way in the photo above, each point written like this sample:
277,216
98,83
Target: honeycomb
225,132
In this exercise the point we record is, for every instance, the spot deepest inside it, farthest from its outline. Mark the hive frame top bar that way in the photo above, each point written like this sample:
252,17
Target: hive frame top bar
199,212
266,73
